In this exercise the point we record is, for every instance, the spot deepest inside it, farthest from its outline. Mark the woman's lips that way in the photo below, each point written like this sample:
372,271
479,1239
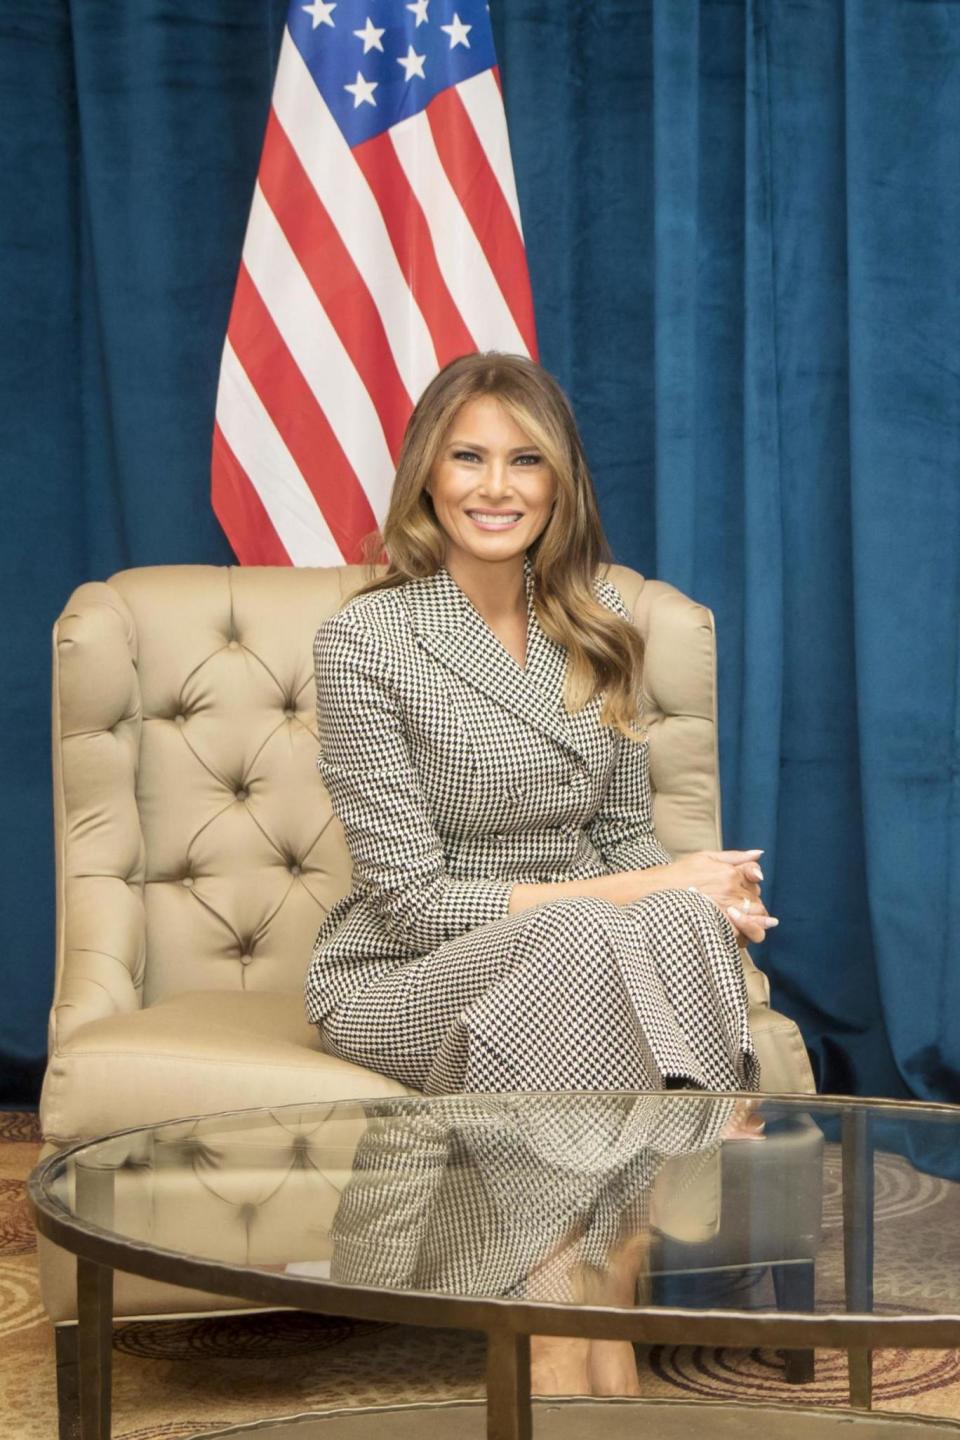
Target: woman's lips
495,519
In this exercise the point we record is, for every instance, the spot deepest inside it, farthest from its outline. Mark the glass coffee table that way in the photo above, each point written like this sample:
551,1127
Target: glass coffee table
674,1218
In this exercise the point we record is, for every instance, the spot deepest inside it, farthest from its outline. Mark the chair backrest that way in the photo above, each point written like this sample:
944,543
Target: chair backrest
196,847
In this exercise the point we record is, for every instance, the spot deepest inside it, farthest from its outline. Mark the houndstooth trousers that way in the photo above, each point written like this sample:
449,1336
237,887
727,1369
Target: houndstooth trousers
576,994
456,774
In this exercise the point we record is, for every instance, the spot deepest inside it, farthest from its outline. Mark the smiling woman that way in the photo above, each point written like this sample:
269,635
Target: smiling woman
514,923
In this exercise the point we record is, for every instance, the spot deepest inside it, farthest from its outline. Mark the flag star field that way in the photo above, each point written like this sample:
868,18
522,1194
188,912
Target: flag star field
365,82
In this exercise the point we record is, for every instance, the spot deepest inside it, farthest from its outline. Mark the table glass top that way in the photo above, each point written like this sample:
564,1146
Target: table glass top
679,1199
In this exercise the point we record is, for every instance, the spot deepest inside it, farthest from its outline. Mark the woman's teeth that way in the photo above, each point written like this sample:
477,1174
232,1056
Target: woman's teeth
491,521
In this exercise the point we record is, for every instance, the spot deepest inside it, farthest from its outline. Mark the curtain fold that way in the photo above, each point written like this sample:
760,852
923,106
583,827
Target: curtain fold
741,220
762,649
676,232
902,80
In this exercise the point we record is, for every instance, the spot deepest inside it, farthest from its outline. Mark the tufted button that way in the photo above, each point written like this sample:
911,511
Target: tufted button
290,713
241,794
180,718
233,644
188,881
295,870
188,1146
246,958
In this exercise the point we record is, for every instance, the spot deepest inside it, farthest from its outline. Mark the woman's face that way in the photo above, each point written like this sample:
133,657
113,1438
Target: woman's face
492,491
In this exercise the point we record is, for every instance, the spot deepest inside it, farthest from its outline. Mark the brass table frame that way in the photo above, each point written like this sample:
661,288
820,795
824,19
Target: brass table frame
507,1324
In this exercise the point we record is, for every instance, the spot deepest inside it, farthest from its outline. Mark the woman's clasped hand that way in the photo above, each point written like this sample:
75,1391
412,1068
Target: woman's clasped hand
731,879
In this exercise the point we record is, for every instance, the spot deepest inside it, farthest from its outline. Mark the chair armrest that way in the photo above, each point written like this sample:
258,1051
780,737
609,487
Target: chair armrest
99,849
758,986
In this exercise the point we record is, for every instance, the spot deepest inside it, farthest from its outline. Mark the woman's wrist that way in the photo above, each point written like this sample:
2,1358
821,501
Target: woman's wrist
631,885
622,888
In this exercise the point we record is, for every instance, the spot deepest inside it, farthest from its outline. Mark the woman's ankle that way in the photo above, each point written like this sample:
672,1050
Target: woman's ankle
559,1366
613,1368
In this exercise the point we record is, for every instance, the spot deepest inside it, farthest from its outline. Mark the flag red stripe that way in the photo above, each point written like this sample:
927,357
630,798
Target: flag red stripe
410,235
335,279
240,510
293,408
478,190
495,72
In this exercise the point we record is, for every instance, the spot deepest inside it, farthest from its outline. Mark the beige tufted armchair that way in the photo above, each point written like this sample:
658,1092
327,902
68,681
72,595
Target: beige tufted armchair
197,853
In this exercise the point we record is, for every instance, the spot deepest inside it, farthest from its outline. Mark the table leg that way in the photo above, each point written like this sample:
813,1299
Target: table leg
94,1198
858,1197
508,1386
94,1347
68,1396
860,1378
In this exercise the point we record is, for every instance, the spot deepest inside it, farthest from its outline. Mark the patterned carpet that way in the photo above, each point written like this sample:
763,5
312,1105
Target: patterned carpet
176,1379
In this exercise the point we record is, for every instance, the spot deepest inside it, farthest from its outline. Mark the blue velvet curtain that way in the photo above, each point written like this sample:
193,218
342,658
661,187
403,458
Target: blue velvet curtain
742,221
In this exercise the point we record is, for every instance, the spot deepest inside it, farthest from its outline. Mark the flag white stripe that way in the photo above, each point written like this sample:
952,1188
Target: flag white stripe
258,446
483,103
320,354
460,256
343,190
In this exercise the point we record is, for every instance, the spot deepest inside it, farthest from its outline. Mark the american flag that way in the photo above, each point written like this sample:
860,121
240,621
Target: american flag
384,239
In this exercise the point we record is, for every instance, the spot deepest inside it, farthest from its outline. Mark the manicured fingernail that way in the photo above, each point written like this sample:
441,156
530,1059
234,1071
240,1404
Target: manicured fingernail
769,921
756,872
732,910
754,852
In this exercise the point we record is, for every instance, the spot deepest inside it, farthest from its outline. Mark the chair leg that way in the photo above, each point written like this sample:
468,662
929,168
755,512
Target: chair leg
68,1390
793,1286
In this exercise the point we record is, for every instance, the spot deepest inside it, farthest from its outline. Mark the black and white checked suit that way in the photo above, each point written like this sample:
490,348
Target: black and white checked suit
456,773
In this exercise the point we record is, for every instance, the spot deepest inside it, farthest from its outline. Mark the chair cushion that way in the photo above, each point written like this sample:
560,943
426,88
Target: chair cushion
195,1053
226,1050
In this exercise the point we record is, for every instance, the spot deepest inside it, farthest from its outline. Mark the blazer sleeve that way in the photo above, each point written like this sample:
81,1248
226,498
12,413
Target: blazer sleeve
622,829
398,859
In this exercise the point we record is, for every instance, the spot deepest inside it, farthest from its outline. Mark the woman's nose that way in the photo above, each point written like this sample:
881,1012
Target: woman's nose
496,480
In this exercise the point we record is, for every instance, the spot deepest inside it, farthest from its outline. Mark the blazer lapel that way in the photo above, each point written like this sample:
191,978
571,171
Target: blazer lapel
453,631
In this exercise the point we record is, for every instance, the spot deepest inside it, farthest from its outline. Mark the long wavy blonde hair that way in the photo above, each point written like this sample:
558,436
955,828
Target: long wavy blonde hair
605,652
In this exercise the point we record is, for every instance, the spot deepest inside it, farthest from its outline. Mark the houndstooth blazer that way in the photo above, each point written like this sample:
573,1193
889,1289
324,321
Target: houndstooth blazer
457,773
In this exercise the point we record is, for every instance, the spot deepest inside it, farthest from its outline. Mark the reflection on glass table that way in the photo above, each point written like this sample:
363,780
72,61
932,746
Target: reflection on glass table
671,1218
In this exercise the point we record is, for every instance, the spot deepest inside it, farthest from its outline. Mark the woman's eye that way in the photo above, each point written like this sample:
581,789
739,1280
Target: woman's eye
532,459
